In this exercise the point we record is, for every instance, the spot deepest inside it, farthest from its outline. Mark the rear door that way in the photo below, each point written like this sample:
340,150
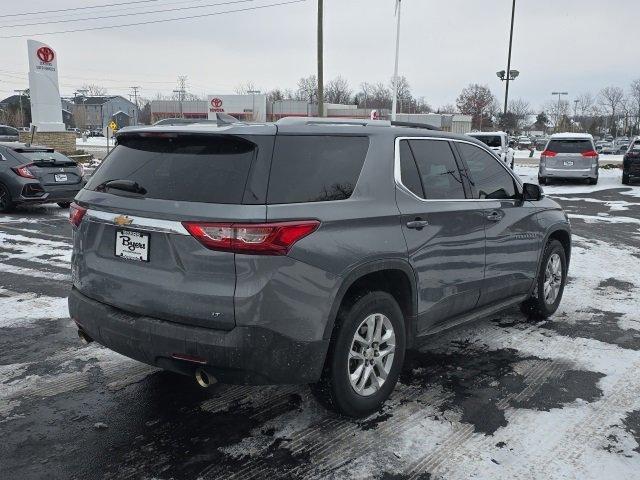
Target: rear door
512,232
443,228
575,154
132,251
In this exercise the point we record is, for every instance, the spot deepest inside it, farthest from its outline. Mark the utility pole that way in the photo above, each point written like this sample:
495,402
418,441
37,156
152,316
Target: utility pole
508,75
135,96
182,83
21,93
394,104
575,113
320,60
253,103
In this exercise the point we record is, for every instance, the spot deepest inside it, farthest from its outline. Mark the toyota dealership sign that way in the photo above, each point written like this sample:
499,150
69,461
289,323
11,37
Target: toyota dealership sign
46,108
243,107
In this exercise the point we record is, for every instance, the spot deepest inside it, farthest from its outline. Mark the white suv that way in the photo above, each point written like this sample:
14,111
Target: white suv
499,143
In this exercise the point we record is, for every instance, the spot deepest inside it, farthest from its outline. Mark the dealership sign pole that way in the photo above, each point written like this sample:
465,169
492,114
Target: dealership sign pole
46,107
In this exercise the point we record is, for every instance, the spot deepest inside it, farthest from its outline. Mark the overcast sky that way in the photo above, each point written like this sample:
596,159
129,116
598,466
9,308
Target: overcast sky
569,45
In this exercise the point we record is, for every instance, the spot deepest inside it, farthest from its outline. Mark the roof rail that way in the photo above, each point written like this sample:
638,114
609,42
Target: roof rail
413,125
332,121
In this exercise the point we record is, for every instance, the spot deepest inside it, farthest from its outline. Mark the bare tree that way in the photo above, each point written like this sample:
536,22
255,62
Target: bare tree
307,89
245,88
338,91
476,100
585,104
93,90
611,99
275,95
558,112
447,108
521,110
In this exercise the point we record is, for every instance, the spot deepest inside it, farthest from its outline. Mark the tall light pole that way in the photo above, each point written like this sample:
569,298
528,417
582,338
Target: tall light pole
320,61
560,94
394,105
508,73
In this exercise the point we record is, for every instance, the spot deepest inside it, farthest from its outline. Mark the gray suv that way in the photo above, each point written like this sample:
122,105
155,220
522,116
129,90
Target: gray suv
305,251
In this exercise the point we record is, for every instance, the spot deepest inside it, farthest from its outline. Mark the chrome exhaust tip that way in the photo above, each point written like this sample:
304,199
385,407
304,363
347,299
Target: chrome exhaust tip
204,379
84,338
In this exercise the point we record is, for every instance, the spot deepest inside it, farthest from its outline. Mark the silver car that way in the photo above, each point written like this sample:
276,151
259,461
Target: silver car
569,155
8,134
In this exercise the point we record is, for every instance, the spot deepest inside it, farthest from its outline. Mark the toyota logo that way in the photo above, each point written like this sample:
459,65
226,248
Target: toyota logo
45,54
216,102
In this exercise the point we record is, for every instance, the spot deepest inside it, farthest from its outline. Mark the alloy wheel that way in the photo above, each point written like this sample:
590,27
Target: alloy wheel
371,354
552,279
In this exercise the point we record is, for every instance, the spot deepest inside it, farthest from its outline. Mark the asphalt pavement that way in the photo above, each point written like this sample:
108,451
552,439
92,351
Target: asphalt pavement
501,398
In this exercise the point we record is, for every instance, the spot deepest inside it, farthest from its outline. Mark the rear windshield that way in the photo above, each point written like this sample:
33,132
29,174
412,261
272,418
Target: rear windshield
195,168
315,168
570,145
491,141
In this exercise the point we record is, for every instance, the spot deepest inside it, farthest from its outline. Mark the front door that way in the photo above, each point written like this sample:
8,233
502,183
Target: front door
443,228
513,241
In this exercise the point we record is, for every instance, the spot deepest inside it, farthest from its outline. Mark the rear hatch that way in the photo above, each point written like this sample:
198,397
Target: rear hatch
132,249
570,154
52,168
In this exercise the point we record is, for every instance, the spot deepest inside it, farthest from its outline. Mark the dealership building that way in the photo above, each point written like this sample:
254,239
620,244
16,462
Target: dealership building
256,108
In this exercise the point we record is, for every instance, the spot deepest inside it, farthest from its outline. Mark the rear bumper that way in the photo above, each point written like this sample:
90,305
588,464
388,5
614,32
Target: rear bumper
244,355
51,194
568,173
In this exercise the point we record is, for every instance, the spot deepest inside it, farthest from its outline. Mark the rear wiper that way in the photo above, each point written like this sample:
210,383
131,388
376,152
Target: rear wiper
125,185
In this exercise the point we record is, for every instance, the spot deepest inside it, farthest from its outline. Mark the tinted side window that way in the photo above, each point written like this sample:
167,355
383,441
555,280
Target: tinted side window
488,176
438,169
409,174
315,168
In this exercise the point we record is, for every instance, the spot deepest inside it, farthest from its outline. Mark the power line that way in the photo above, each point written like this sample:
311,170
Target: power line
76,8
124,14
155,21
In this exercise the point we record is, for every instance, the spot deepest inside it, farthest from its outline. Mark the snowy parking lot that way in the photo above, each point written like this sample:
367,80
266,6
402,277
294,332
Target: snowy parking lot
501,399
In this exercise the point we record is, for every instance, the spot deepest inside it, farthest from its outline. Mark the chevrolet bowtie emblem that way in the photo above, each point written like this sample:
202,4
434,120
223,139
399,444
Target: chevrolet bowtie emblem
122,220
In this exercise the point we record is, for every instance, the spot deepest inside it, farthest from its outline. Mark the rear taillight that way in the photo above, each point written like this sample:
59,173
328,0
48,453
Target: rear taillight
548,153
590,153
256,238
76,214
23,171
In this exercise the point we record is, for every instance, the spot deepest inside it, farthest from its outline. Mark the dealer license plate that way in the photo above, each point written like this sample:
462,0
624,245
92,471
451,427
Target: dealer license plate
60,177
132,245
568,163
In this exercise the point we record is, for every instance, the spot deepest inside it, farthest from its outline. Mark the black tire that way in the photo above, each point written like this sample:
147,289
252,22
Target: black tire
542,181
625,178
334,390
6,203
593,181
64,204
536,307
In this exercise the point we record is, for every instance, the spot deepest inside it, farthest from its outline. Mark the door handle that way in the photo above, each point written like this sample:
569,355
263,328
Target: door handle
494,216
417,224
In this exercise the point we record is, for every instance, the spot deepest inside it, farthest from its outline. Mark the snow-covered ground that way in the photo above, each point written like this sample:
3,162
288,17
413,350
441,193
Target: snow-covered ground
499,399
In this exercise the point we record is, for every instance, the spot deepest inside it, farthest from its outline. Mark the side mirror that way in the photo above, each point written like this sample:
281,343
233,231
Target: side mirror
532,192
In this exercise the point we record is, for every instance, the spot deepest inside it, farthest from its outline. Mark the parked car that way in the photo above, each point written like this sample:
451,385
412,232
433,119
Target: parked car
499,143
569,155
302,252
524,143
34,175
622,148
8,134
631,162
608,149
540,143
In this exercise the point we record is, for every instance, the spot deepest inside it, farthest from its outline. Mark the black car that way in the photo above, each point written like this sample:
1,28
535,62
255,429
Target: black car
33,175
631,162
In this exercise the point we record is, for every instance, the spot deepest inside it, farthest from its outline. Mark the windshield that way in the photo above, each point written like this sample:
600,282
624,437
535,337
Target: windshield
570,145
35,156
489,140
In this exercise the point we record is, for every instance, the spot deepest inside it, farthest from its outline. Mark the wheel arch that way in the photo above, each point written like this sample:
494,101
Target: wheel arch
560,232
394,276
